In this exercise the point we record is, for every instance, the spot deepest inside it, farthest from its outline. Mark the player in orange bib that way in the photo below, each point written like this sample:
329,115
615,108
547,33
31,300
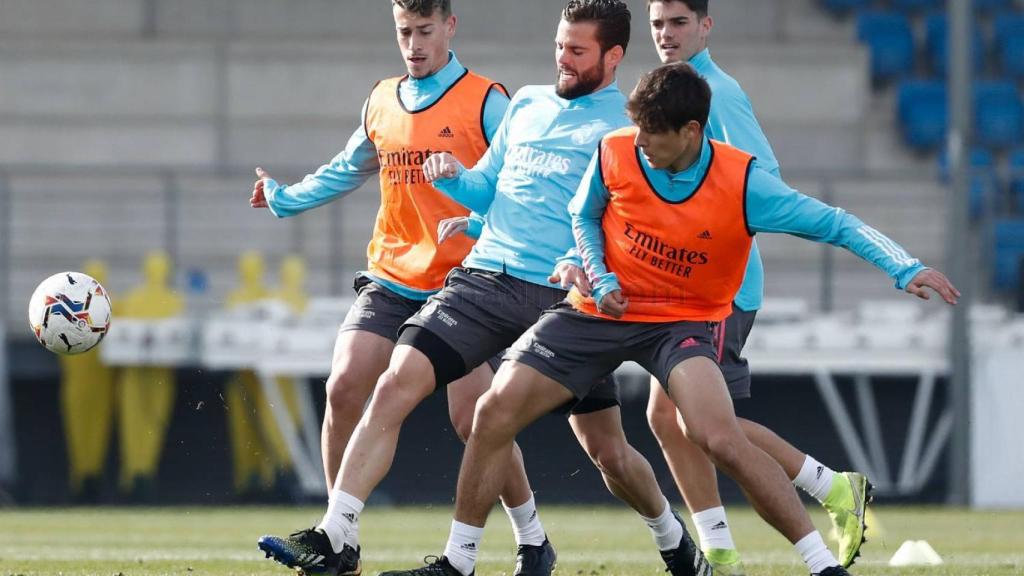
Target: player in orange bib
439,106
664,220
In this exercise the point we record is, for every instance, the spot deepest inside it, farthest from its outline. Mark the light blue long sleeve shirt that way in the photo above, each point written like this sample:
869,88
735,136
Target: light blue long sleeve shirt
524,183
771,206
354,165
731,120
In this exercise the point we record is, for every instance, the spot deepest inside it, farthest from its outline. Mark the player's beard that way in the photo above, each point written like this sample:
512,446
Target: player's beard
586,82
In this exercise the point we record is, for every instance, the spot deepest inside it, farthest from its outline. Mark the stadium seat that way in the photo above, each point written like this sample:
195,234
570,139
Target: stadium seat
1017,180
937,40
991,5
1009,44
1008,247
999,114
840,7
890,41
984,192
922,113
917,5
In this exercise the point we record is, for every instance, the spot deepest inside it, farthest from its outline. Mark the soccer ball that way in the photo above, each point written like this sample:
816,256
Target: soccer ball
69,313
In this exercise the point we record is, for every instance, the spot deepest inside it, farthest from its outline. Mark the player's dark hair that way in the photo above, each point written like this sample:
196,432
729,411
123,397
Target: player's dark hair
698,6
611,16
426,7
668,98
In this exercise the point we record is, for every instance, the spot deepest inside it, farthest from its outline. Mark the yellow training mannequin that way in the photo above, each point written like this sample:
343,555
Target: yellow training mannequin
87,403
147,392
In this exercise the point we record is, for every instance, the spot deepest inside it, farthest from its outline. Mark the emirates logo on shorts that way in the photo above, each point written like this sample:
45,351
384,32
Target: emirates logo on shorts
689,343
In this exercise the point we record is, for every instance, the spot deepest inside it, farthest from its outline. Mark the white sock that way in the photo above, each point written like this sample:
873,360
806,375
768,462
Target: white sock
666,530
341,522
814,552
526,523
463,544
815,478
713,529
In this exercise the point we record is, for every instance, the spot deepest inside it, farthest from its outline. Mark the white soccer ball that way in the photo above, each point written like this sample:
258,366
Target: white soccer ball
69,313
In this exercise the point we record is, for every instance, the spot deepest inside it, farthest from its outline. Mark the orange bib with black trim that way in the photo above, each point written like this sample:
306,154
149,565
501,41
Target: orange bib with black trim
404,246
680,260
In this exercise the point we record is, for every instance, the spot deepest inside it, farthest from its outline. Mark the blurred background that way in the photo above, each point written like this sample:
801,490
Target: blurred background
131,129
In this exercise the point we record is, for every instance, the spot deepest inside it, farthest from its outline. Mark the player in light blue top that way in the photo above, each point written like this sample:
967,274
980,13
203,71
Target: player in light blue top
680,30
524,182
771,206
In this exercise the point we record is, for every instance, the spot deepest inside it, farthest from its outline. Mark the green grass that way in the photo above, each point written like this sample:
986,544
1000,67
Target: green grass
591,541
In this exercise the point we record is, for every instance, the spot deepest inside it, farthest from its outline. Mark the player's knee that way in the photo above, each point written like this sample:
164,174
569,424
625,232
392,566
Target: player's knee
396,394
345,394
492,422
462,421
611,456
723,448
664,424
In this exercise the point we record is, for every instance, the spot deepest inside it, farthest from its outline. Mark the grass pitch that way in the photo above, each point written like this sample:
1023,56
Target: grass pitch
599,541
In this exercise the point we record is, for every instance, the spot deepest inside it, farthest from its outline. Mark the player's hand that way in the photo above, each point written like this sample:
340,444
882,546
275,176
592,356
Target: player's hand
568,275
442,165
449,227
937,281
613,304
259,199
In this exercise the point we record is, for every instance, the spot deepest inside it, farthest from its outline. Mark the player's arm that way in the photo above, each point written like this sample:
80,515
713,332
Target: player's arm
345,173
587,210
772,206
473,188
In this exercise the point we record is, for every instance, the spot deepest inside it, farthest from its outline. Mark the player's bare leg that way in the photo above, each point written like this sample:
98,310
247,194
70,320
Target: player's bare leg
534,553
699,391
697,480
360,357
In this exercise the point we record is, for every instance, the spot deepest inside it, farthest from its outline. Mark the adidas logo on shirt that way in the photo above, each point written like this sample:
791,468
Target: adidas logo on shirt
446,133
705,235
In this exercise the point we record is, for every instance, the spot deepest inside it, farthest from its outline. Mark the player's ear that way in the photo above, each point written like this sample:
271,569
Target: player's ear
614,56
450,25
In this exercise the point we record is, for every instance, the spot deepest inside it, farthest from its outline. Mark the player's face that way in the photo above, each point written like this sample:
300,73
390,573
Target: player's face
424,40
678,32
581,66
672,150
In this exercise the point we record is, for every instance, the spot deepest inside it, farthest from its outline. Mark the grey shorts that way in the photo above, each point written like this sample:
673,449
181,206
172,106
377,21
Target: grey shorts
481,313
378,310
730,338
604,395
578,350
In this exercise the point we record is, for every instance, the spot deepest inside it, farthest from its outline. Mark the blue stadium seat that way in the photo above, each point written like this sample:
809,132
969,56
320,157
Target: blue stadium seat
937,40
1009,44
991,5
921,109
844,6
999,114
1017,180
984,192
891,42
917,5
1008,247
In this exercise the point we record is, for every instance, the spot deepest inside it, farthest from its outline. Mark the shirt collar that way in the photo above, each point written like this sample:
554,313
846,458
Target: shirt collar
701,60
696,170
439,80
